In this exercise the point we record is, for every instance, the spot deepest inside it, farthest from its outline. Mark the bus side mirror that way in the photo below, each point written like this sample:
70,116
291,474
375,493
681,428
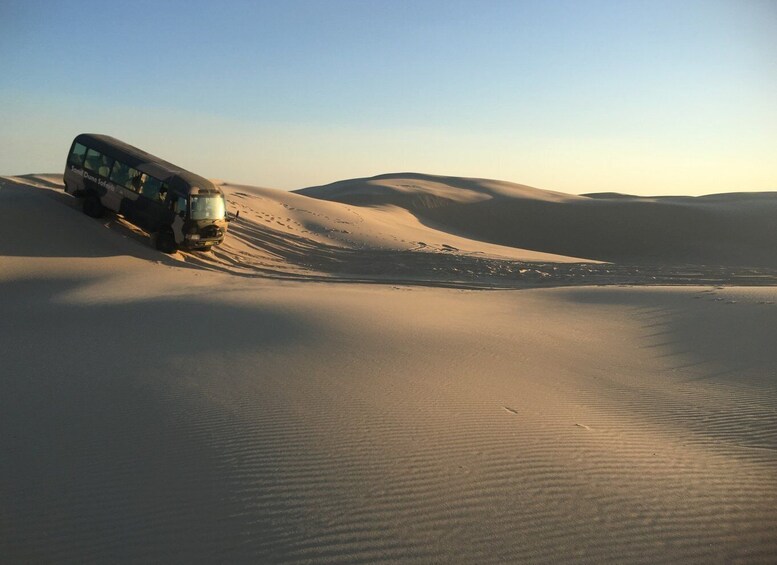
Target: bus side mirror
232,217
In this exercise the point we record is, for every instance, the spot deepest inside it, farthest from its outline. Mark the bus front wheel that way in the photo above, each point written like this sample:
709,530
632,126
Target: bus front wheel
165,242
92,207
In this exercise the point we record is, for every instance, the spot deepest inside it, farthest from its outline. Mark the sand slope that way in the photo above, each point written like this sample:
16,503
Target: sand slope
727,229
441,231
156,409
387,235
278,230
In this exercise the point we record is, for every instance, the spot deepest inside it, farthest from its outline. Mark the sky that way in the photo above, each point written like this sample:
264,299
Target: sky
639,97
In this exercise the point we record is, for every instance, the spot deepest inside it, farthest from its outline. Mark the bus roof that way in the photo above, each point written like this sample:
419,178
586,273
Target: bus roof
179,179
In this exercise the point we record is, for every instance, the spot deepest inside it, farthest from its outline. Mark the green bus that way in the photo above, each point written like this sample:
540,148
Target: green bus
178,208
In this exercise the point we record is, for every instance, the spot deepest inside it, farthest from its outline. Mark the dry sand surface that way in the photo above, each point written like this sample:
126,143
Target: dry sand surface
724,229
336,384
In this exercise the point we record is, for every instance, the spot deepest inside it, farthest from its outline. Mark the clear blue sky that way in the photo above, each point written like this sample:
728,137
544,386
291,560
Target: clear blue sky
645,97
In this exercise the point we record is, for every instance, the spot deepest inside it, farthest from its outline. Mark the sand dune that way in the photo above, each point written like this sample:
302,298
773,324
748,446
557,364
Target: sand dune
734,229
386,235
252,405
446,231
285,228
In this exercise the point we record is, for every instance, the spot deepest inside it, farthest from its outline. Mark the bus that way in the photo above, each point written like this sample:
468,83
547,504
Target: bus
178,208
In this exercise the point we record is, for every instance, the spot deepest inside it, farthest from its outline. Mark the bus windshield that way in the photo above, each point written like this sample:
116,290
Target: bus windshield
207,207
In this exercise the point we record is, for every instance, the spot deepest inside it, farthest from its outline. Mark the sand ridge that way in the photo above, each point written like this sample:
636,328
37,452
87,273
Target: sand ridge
386,235
729,229
407,227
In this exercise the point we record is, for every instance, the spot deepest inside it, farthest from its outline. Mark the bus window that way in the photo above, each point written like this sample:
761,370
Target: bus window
99,163
123,174
120,173
105,166
151,188
164,191
92,161
77,155
207,207
137,181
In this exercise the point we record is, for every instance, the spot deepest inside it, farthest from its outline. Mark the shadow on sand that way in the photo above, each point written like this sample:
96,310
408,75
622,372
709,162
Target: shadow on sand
715,361
106,411
39,220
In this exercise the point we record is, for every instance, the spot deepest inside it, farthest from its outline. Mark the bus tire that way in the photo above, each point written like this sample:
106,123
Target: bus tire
93,207
165,242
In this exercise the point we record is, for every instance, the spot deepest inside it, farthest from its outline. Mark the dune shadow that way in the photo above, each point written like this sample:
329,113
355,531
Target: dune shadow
282,255
38,221
671,231
107,412
719,378
730,333
728,229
